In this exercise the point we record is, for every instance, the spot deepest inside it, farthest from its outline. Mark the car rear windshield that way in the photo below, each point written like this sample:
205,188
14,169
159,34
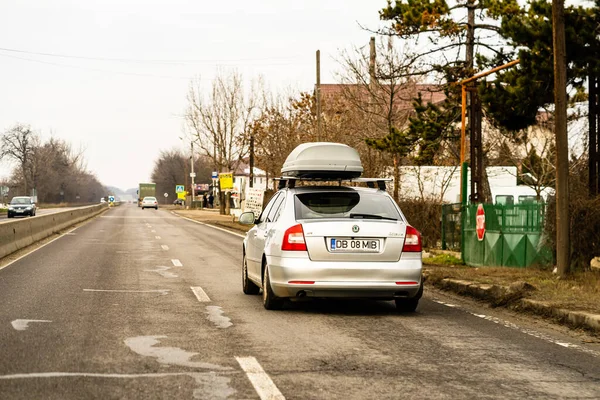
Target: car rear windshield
20,200
150,198
350,204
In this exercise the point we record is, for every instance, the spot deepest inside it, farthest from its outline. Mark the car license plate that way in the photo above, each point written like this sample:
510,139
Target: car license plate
357,245
19,211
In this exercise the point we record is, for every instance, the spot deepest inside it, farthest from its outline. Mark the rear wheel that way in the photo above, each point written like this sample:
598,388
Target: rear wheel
270,301
406,305
248,287
409,305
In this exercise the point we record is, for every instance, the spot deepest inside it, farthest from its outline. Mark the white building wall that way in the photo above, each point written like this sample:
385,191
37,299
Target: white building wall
443,183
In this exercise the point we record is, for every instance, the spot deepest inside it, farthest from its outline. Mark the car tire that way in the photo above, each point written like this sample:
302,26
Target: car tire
270,301
406,305
156,208
9,215
142,208
409,305
248,287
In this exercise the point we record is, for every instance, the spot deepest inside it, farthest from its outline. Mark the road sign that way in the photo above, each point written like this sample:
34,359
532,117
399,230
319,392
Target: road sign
182,195
226,181
166,194
179,189
111,199
480,222
193,174
3,190
215,174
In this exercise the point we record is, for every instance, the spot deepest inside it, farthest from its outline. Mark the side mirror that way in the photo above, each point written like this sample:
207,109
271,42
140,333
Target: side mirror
247,218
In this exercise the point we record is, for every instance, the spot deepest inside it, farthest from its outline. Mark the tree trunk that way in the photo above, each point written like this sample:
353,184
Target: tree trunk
227,203
562,144
396,178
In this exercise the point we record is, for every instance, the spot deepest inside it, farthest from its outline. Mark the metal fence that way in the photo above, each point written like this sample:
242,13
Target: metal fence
513,234
451,222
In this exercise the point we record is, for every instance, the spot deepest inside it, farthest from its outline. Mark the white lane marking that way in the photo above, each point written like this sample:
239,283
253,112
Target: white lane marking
211,226
22,324
215,315
33,251
163,272
157,237
153,231
164,247
200,294
262,383
161,291
145,346
176,263
526,331
445,304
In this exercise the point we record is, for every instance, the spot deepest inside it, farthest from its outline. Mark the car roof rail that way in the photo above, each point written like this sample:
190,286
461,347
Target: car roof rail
290,181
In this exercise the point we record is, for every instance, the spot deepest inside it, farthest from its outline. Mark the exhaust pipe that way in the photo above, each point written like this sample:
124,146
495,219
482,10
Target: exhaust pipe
301,293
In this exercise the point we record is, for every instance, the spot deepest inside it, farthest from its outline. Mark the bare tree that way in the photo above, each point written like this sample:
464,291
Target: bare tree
220,122
18,145
170,170
378,85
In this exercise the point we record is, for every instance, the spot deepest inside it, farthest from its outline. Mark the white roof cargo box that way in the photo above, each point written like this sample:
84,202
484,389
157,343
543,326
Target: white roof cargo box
322,160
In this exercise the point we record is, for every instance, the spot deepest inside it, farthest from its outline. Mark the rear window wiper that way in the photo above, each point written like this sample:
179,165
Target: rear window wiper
372,216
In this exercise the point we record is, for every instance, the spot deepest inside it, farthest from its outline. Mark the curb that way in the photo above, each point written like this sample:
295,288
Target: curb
514,298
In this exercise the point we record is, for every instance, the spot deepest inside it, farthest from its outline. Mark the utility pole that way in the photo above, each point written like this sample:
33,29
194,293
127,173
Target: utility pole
560,132
251,177
192,174
318,94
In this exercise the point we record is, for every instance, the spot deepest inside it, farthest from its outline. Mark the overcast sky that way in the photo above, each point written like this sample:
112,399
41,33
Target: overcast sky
120,89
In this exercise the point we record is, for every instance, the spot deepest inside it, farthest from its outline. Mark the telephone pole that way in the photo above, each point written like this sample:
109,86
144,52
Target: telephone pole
251,175
192,174
318,95
560,132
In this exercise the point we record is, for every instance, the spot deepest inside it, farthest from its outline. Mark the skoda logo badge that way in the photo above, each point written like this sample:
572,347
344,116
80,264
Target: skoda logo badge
355,228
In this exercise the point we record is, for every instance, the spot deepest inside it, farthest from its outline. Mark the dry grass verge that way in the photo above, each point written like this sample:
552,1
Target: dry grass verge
579,292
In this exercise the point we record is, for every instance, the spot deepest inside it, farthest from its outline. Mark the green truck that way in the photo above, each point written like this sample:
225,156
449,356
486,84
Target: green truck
146,189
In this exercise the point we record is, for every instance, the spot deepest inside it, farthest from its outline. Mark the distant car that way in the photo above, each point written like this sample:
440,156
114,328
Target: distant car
21,205
178,202
149,202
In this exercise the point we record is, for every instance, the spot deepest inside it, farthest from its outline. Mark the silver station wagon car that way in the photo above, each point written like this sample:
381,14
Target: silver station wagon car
332,241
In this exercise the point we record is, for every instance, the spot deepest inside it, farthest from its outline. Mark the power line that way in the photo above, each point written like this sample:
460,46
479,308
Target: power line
142,61
94,69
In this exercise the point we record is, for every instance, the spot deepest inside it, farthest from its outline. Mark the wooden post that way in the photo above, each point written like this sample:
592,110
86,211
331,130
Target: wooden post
562,143
318,95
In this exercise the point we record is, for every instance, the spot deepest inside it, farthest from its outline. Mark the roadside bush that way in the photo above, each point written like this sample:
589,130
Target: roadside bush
426,217
584,213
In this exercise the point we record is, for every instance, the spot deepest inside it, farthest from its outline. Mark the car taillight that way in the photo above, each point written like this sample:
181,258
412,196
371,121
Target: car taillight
412,241
293,239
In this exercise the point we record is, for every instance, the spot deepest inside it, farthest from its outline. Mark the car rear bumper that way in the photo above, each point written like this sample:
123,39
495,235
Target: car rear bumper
383,280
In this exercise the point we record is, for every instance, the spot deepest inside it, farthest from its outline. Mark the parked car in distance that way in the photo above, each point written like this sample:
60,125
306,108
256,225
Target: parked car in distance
21,205
178,202
149,202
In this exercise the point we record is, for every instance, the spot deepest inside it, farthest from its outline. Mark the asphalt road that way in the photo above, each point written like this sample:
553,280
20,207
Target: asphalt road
145,304
43,211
